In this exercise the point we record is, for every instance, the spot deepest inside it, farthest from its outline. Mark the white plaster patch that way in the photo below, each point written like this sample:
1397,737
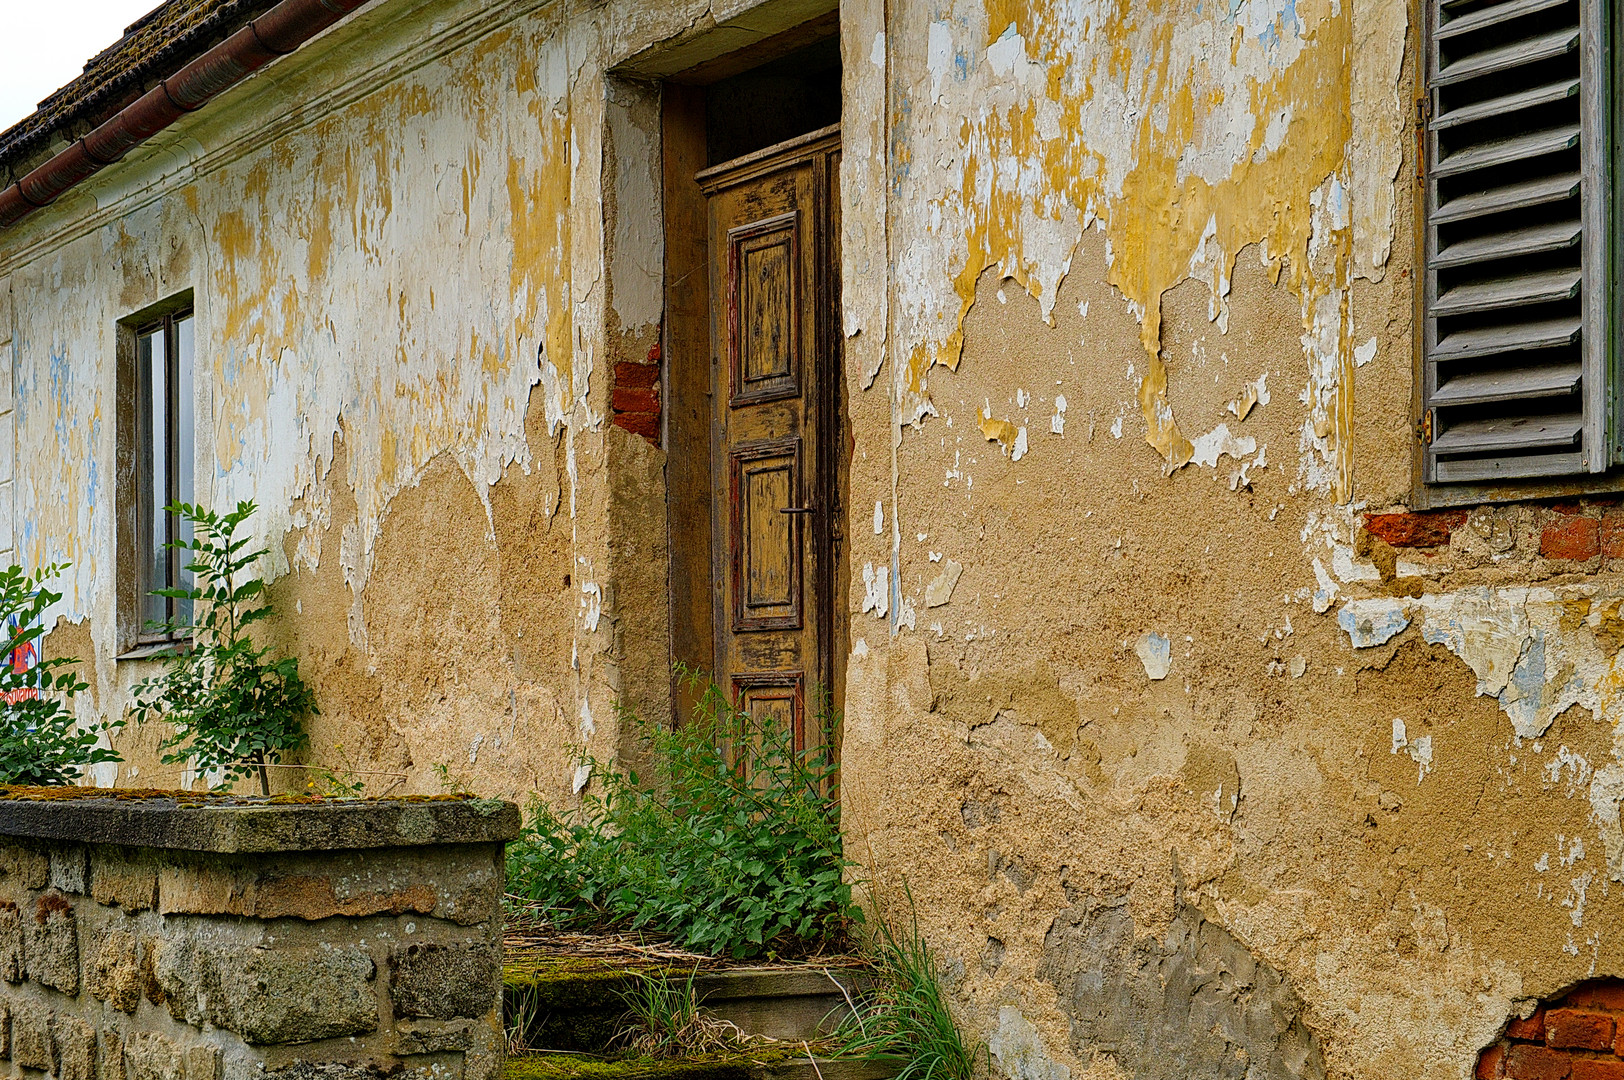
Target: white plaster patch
1374,621
580,779
940,590
591,606
877,590
1419,750
1057,422
1325,590
1218,442
1020,1051
1364,354
1155,652
1349,568
879,517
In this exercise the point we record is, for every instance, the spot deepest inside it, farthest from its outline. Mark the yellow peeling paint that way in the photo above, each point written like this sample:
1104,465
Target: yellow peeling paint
1043,157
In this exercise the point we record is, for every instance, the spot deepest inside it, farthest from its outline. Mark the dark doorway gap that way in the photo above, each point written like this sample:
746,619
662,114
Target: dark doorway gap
783,98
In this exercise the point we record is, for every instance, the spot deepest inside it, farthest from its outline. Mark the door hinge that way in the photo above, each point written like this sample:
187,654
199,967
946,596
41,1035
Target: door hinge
1423,428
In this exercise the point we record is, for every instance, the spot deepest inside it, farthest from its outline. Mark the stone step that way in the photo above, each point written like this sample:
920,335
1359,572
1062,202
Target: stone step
576,1005
791,1067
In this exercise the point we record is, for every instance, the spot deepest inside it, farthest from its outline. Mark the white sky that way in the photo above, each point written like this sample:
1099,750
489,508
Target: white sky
46,44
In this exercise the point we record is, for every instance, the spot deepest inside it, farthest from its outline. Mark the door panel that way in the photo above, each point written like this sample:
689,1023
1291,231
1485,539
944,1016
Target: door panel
774,432
766,542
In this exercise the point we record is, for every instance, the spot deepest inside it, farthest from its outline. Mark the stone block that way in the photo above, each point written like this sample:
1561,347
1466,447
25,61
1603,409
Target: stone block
70,869
202,1062
433,1036
51,949
26,865
112,1055
12,968
278,994
117,879
74,1042
444,982
150,1056
31,1035
114,973
5,1028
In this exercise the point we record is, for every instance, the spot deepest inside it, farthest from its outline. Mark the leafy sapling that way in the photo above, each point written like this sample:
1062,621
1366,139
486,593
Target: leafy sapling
235,708
41,741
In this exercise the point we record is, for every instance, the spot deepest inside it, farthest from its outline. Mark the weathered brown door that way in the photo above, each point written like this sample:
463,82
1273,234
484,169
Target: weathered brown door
775,346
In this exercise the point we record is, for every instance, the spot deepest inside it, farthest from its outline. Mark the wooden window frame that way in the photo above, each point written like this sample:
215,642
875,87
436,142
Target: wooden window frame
136,540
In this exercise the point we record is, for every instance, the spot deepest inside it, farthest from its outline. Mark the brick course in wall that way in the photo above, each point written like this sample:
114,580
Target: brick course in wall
1579,1036
634,401
378,958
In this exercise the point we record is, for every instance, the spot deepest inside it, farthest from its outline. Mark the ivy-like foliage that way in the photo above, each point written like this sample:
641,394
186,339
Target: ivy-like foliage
41,742
233,706
731,845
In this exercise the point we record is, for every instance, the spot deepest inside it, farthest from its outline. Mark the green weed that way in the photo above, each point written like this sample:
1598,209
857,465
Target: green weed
906,1016
731,845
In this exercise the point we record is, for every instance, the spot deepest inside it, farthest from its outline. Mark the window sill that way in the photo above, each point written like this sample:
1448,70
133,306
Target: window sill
150,649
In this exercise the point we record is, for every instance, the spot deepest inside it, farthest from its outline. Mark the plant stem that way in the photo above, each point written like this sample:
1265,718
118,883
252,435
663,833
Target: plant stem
264,774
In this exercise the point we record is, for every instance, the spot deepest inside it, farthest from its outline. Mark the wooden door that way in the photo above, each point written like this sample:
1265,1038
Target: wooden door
775,439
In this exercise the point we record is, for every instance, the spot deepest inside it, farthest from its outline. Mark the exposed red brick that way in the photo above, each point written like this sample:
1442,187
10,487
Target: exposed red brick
1491,1064
640,423
1612,546
1579,1029
1576,538
635,399
1533,1028
1525,1061
1586,1068
1423,529
643,375
654,353
1602,994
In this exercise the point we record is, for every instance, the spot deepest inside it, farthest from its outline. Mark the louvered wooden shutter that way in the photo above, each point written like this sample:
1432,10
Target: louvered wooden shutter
1516,327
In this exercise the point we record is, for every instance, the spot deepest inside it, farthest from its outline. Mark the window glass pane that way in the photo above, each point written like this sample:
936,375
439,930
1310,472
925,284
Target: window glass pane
153,481
185,448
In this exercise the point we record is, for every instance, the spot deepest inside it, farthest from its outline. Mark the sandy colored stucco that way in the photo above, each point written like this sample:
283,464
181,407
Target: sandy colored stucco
1123,673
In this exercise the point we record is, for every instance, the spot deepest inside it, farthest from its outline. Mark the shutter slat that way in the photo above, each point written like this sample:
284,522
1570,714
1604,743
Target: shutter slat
1505,151
1540,288
1517,337
1509,468
1500,13
1552,236
1512,384
1510,56
1546,189
1503,434
1510,103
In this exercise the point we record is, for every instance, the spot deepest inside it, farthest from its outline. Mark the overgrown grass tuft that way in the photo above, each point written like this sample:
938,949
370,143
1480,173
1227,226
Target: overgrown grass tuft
731,845
664,1020
906,1016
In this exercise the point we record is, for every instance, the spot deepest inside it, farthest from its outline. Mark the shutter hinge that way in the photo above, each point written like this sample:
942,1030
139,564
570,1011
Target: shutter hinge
1423,428
1423,116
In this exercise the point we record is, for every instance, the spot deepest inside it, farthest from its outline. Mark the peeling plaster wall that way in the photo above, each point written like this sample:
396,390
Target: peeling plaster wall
1159,734
400,256
1149,719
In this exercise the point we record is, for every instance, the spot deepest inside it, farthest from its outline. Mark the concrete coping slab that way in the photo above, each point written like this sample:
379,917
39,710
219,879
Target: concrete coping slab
200,821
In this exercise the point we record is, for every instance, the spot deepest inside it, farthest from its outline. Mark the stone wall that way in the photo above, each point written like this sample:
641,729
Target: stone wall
220,939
